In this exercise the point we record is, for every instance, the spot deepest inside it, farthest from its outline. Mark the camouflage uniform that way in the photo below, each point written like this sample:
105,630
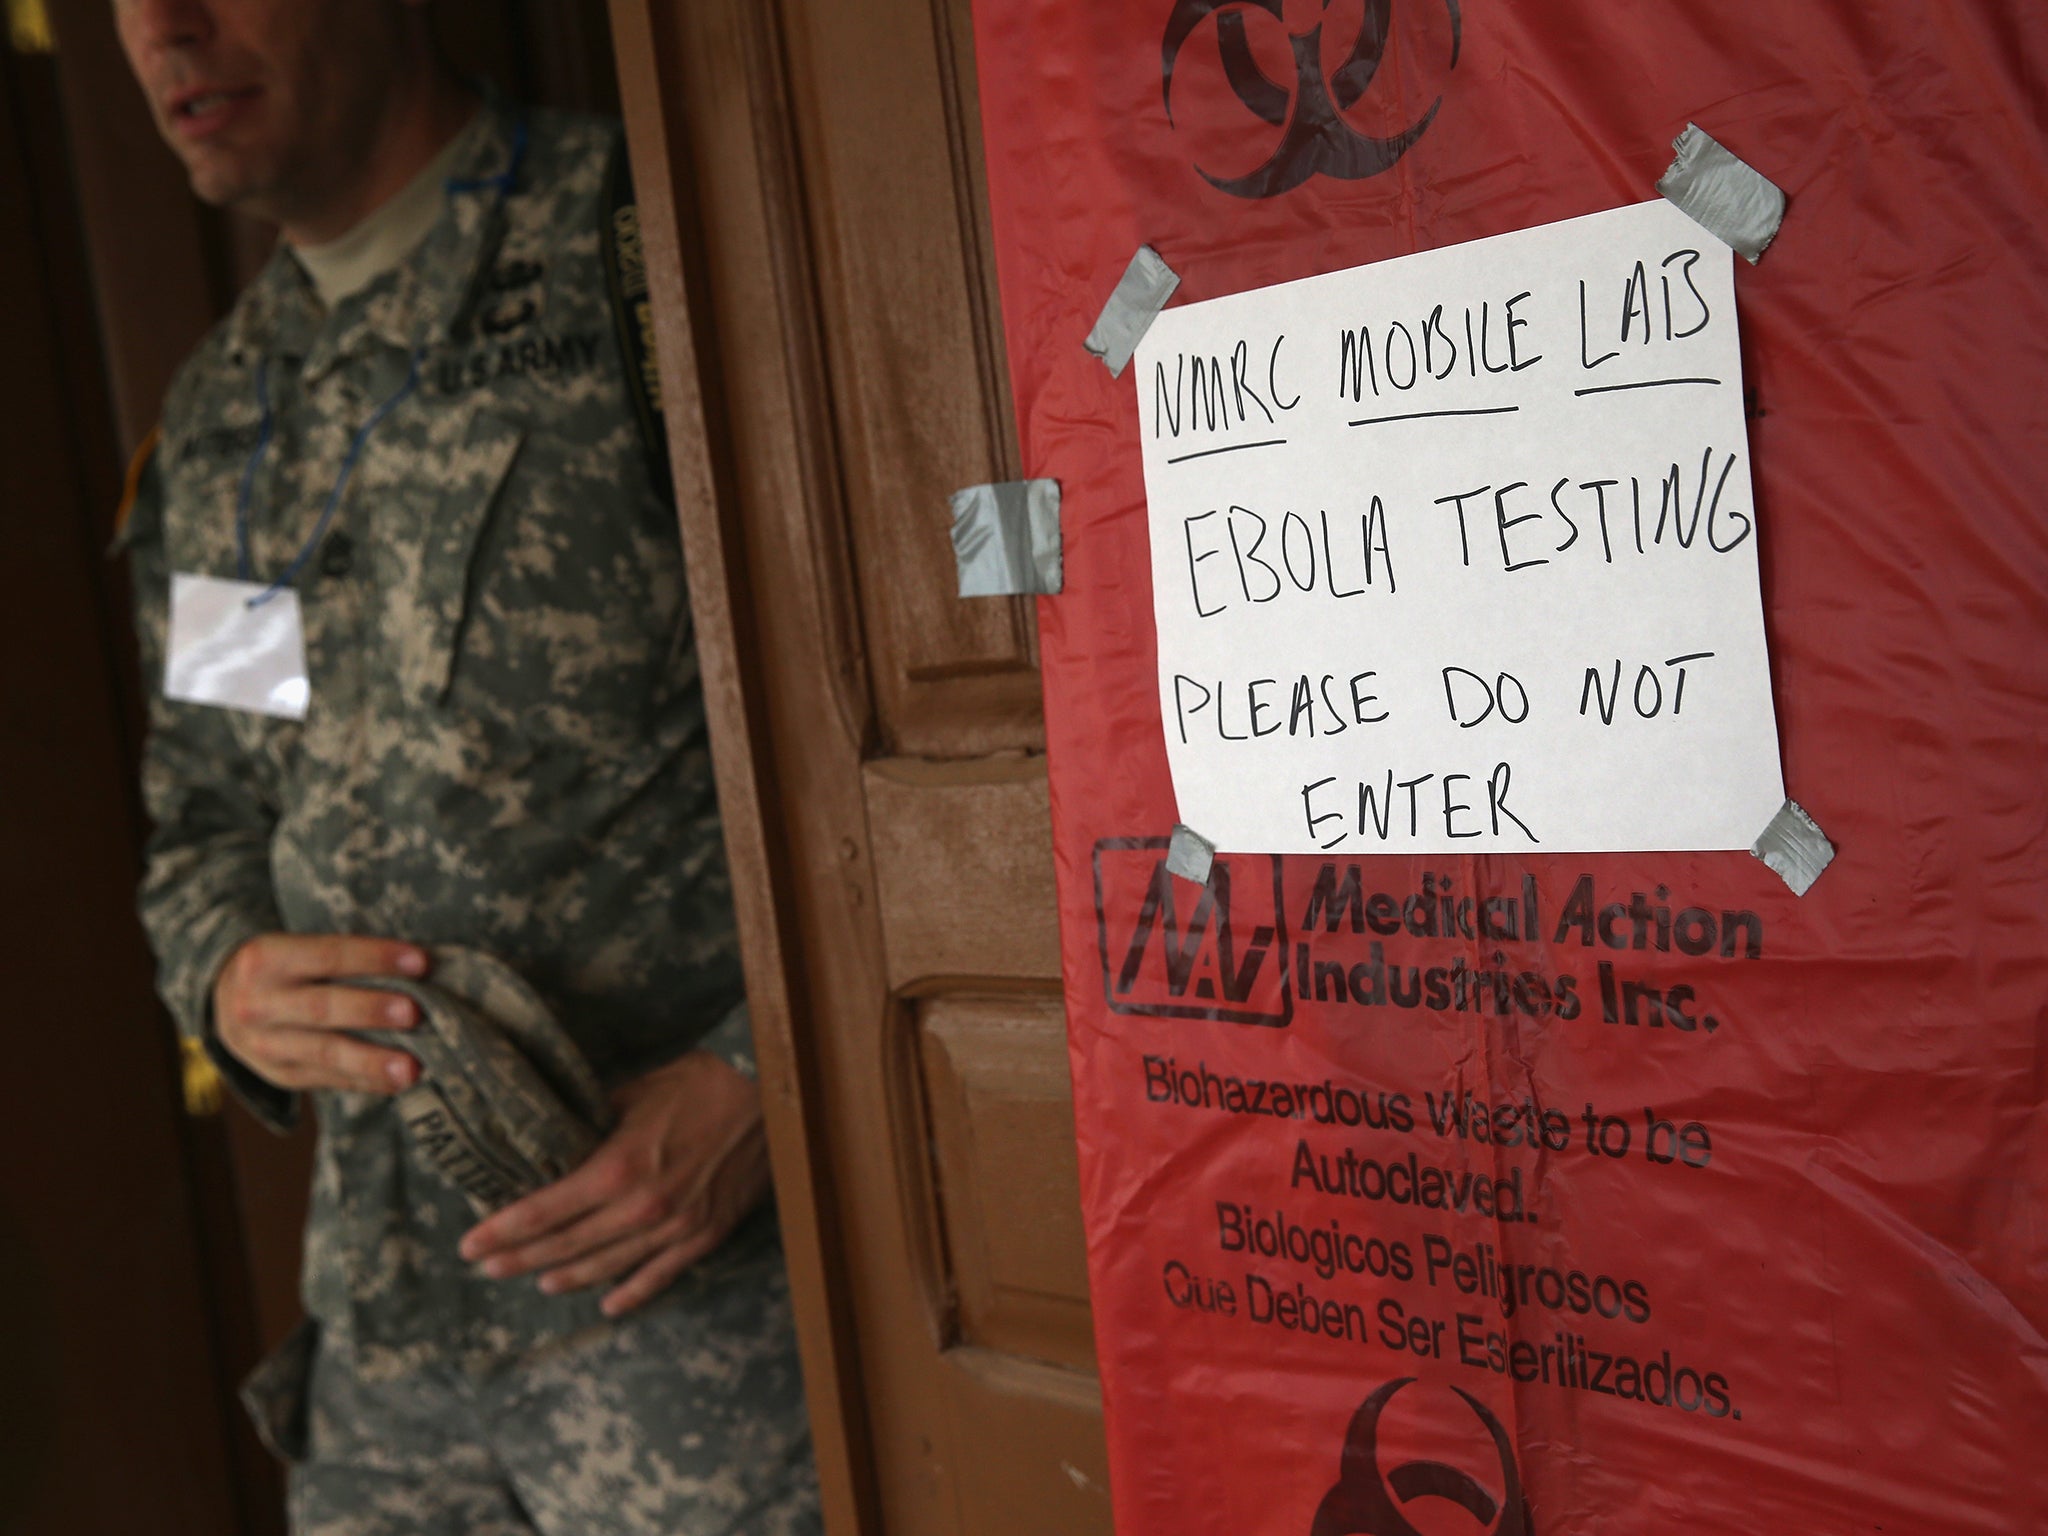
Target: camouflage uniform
505,749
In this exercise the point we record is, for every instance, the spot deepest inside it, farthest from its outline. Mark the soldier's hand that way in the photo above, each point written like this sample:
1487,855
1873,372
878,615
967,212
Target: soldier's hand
689,1159
277,1010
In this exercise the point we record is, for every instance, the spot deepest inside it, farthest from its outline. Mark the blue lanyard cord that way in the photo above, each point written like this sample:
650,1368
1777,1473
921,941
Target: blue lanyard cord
502,183
348,468
249,470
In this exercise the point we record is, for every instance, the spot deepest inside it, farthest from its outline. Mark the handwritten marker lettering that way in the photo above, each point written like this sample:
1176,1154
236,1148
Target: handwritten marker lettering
1459,551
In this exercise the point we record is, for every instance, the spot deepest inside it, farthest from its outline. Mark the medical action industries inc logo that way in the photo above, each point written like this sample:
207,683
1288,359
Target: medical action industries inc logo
1172,949
1309,109
1371,1500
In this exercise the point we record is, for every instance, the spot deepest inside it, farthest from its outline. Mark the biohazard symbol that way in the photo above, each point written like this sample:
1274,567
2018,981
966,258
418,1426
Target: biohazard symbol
1316,138
1368,1501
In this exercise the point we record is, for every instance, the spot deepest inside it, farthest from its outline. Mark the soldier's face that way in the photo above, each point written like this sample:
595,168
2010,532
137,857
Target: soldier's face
267,102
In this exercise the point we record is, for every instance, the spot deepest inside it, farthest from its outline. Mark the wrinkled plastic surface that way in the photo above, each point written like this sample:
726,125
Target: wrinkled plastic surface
1845,1222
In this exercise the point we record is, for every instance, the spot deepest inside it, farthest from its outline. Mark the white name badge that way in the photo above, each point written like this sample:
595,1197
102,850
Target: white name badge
227,652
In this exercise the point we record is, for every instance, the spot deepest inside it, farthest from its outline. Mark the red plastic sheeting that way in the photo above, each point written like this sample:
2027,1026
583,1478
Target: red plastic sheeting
1808,1295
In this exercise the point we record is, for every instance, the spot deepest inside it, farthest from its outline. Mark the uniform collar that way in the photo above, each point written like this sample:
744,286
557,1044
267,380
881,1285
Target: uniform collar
426,300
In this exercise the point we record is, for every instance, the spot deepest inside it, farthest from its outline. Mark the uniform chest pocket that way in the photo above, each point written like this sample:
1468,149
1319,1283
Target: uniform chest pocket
548,598
428,609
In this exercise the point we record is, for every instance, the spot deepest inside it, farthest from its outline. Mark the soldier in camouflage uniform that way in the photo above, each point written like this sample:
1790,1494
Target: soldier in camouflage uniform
504,748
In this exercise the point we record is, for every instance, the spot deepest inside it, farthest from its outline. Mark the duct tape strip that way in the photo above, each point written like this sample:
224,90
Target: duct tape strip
1006,538
1731,199
1795,847
1189,855
1141,293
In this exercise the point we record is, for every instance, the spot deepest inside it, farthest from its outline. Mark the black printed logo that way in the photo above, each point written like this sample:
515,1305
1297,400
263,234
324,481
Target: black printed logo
1370,1500
1315,137
1172,949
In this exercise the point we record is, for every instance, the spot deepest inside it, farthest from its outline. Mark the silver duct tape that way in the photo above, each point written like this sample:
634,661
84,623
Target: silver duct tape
1189,855
1140,294
1729,197
1006,538
1795,847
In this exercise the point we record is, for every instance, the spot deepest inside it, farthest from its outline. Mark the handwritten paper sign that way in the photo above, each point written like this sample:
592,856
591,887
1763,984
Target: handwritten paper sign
1458,551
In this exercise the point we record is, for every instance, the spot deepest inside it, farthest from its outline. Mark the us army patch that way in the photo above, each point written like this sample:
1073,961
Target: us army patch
546,356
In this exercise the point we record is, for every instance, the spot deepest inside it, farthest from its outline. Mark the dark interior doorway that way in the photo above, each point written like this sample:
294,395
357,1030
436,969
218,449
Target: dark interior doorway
148,1257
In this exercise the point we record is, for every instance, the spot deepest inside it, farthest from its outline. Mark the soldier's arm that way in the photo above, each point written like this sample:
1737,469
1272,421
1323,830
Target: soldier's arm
232,981
731,1037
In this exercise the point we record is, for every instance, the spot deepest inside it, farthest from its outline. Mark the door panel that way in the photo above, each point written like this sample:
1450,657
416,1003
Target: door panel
832,364
1000,1118
963,866
891,163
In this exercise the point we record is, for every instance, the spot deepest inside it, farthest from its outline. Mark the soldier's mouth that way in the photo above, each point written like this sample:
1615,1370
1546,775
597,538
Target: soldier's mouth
205,111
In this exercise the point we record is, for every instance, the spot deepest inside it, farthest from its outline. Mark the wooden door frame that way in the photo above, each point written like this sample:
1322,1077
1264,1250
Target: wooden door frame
680,66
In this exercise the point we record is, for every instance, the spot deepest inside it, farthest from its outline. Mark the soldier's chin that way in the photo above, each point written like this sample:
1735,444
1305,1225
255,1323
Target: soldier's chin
226,182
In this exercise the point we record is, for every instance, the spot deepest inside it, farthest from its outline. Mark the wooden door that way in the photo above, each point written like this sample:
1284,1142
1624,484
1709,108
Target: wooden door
828,333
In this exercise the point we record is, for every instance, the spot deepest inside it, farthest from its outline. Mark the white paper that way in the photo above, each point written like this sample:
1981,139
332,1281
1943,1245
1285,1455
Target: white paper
1312,580
229,649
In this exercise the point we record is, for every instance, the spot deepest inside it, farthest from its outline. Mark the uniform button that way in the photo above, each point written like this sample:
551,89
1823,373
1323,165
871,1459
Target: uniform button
337,555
